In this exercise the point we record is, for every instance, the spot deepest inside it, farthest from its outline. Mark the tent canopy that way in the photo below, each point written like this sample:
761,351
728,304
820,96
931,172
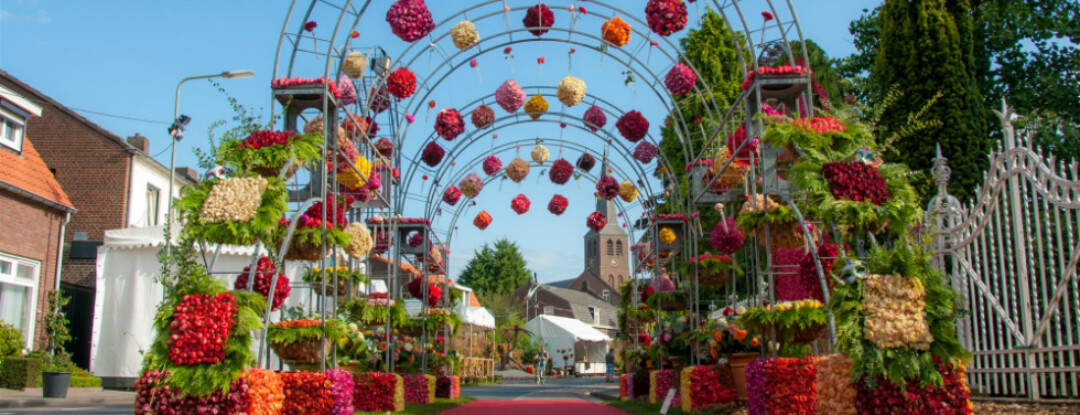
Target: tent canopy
553,327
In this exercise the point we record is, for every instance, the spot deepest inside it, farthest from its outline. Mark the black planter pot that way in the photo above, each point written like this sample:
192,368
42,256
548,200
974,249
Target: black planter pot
55,384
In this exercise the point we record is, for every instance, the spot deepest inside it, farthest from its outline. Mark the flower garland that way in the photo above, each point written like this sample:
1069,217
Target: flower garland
561,171
633,126
571,90
233,199
341,389
360,241
586,162
265,392
200,325
558,204
378,392
680,80
538,19
355,64
410,20
451,195
726,237
616,31
596,221
510,96
645,152
264,272
298,81
492,165
464,35
540,154
517,170
594,118
482,220
449,124
520,204
627,192
893,306
433,154
783,70
536,106
483,116
306,393
607,187
665,16
835,392
401,83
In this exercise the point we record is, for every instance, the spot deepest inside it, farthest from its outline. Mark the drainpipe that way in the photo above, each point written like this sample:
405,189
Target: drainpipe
59,262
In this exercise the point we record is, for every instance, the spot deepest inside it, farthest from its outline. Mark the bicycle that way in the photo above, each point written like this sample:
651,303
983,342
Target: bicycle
539,374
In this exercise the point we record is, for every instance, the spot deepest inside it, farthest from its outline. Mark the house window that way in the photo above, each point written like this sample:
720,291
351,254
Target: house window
11,132
153,205
618,248
595,315
18,294
607,295
610,248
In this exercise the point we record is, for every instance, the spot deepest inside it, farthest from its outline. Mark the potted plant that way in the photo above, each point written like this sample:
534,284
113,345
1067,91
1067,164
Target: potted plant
314,276
56,377
301,341
739,345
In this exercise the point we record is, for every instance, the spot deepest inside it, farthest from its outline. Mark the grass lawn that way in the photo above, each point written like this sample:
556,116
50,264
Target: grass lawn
645,408
439,405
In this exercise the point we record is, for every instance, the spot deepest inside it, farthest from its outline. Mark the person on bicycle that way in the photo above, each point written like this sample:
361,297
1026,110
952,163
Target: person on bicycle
541,364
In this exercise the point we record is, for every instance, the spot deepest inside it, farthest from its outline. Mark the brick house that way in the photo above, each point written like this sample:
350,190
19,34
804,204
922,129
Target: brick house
33,212
113,181
571,303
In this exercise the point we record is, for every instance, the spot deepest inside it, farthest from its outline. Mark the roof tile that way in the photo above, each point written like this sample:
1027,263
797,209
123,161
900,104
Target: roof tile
27,171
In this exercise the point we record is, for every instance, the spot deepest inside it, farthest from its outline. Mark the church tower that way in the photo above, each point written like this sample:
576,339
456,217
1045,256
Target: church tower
607,255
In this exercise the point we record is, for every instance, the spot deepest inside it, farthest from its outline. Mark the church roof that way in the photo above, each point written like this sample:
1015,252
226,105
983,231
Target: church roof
562,284
579,306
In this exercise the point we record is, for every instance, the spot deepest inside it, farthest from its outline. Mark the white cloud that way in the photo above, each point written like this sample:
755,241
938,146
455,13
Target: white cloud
43,16
6,15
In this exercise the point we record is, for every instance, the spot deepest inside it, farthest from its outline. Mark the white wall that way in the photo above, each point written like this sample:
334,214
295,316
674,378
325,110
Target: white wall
145,173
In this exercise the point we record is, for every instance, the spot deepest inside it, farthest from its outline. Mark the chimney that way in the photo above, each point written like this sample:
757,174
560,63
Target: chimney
140,142
188,173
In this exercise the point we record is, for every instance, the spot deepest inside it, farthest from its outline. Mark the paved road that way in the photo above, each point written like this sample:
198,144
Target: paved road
126,409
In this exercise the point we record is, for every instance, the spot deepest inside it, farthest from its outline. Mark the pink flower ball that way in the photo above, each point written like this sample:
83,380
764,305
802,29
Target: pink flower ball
483,116
558,204
680,80
510,96
492,165
452,195
520,204
607,187
727,241
645,152
595,118
410,20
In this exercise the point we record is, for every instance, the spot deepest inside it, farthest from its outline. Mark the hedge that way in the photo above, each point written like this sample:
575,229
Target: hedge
20,373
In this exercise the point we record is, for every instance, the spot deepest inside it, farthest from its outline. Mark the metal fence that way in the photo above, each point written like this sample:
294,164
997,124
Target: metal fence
1012,253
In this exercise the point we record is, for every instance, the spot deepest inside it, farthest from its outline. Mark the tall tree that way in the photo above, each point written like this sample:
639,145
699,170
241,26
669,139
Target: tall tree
497,268
922,54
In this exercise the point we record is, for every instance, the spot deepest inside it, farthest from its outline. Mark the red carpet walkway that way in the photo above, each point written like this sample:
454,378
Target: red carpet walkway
533,408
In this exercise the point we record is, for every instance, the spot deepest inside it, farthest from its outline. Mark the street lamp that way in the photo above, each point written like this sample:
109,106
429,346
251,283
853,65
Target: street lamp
176,131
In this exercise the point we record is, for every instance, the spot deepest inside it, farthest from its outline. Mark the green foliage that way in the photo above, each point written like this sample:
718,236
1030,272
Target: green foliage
20,372
314,275
498,268
898,365
360,311
302,149
751,221
57,333
85,381
786,317
278,334
11,340
659,299
260,227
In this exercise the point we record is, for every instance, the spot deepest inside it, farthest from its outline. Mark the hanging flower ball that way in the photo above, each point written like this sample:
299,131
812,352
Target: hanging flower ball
355,64
586,162
596,221
665,16
517,170
483,116
449,124
471,185
538,18
571,91
645,152
595,118
464,34
452,195
385,147
520,204
410,20
558,204
633,126
536,106
355,125
401,83
561,171
492,165
616,31
348,91
510,96
665,285
380,99
607,187
667,236
727,240
482,220
540,154
680,80
360,241
627,192
433,154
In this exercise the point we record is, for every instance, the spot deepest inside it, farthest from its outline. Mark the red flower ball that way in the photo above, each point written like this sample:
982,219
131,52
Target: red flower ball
452,195
645,152
492,165
607,187
433,154
856,181
410,20
310,26
561,171
385,147
680,80
558,204
586,162
449,124
595,118
538,18
379,99
665,16
633,126
483,116
727,237
596,221
482,220
520,204
401,83
264,272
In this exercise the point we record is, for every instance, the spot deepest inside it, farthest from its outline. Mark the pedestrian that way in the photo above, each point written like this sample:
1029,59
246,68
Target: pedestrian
610,360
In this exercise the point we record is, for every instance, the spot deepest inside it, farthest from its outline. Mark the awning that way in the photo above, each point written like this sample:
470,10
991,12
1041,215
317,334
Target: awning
552,327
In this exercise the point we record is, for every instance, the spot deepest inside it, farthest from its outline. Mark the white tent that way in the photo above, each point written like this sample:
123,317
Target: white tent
562,333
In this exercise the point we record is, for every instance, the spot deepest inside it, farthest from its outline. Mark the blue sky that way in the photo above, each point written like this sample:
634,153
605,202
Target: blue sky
118,63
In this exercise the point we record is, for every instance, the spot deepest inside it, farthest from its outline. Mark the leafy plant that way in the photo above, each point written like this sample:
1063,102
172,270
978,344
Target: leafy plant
57,332
301,149
292,331
11,340
272,208
785,317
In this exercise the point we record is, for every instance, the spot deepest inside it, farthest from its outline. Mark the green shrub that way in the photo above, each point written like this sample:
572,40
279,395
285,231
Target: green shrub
11,340
84,380
20,372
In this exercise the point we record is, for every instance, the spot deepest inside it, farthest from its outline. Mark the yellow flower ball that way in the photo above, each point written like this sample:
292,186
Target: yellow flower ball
667,236
536,106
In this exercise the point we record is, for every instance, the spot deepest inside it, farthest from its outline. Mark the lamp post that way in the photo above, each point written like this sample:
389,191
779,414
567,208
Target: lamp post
176,131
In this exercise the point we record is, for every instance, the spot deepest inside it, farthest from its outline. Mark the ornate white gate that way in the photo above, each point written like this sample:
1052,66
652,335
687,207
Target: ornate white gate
1012,253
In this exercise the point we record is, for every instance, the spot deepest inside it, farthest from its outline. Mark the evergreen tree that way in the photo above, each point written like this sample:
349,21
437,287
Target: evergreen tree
496,269
922,54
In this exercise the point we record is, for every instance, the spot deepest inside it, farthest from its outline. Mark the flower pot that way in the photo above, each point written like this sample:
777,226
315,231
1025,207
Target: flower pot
55,384
341,291
303,251
800,335
713,279
738,362
275,171
303,351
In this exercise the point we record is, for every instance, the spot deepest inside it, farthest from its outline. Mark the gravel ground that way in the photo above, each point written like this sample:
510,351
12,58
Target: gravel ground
994,408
